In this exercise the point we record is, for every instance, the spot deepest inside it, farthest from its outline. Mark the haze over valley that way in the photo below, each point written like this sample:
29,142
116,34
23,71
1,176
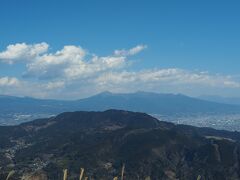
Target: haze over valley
176,108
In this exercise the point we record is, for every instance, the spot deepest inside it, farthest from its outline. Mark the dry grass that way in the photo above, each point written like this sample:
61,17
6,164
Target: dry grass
81,176
148,178
123,169
65,173
10,174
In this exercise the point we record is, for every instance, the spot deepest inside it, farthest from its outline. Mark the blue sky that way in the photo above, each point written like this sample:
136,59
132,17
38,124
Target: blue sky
190,47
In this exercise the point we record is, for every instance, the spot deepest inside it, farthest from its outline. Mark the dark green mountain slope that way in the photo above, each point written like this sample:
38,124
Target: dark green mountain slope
102,141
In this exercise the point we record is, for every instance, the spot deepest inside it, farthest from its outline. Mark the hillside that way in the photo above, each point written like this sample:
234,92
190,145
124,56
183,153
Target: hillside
102,141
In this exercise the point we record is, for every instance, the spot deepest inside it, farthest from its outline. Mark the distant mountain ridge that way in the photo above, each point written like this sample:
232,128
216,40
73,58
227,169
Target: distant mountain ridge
15,109
153,103
220,99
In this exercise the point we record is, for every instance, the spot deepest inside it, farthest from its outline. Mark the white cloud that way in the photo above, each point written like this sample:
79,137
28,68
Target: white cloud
54,85
53,65
22,52
72,72
93,67
130,52
9,81
71,63
158,80
172,76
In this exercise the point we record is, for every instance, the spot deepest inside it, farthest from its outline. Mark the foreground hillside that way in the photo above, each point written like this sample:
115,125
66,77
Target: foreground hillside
102,141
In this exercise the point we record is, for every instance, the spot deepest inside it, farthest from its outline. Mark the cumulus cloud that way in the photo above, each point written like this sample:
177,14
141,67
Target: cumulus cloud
73,72
171,76
9,81
54,65
130,52
168,80
70,63
22,52
93,67
54,85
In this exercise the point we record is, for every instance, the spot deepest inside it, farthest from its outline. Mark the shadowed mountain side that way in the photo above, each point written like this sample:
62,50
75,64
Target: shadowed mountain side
102,141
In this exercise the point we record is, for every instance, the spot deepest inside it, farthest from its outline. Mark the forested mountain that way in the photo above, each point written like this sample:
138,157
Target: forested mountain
102,142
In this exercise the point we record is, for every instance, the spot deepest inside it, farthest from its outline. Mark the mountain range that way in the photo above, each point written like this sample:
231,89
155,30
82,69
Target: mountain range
15,110
101,142
220,99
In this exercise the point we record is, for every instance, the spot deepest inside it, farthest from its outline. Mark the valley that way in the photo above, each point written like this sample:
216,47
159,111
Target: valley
176,108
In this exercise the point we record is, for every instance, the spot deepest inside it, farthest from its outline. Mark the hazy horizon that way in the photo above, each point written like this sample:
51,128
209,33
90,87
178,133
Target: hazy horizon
207,97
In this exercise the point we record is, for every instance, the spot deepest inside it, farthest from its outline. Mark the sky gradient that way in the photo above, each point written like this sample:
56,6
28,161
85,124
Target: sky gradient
69,49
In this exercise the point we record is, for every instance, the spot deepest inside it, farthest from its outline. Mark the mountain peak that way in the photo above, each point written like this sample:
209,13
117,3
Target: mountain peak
104,93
